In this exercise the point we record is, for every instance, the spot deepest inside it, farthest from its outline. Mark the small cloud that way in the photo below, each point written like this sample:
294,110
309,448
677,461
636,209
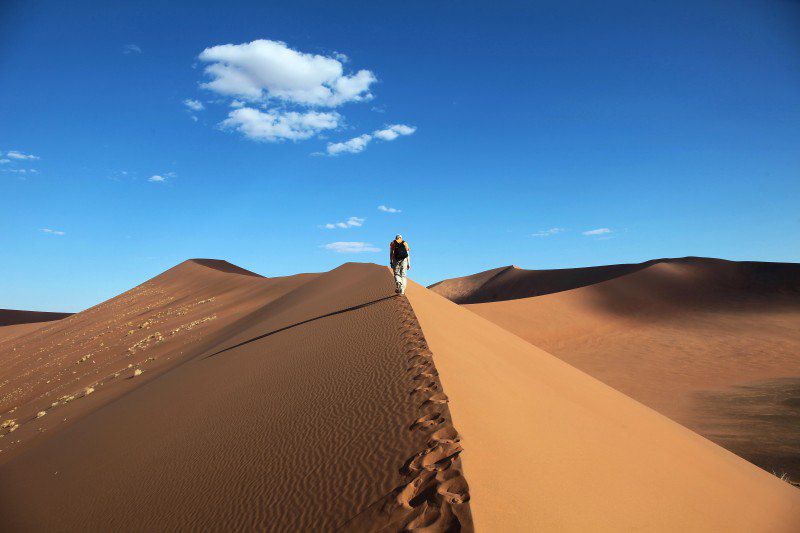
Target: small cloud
237,104
194,105
387,209
13,154
342,58
156,178
358,144
278,125
352,222
131,49
4,161
598,231
351,247
548,232
353,146
52,231
394,131
378,108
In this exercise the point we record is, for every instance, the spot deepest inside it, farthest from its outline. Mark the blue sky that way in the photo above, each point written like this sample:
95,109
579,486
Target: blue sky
502,133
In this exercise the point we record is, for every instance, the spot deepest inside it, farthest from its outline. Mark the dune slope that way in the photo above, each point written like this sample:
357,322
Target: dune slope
712,344
54,368
320,409
549,448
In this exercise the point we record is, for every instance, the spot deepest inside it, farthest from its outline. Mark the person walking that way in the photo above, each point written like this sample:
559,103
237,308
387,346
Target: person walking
400,262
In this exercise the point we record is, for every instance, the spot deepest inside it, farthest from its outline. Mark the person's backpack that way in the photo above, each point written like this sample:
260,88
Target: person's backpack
400,250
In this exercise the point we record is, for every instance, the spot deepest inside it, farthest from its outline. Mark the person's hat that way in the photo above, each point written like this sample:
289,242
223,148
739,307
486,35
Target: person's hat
398,237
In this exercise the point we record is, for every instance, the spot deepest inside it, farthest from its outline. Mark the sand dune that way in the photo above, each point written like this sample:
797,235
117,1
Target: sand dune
325,402
712,344
548,448
318,409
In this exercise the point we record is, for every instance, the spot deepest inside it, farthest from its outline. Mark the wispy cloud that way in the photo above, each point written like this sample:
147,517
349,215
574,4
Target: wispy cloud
358,144
131,49
158,178
548,232
387,209
52,231
353,146
194,105
352,222
3,161
598,231
14,154
351,247
20,170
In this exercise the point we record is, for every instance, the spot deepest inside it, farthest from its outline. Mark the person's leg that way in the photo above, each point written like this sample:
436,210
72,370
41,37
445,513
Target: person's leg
403,278
398,275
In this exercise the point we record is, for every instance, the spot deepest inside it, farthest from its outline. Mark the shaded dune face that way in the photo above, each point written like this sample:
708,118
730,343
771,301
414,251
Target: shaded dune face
319,408
696,339
511,283
10,317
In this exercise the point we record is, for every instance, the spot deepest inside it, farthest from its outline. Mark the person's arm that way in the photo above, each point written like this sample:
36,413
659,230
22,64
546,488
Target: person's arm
408,257
391,253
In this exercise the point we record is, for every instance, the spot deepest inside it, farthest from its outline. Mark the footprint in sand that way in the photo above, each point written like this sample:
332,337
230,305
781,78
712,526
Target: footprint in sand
435,399
427,421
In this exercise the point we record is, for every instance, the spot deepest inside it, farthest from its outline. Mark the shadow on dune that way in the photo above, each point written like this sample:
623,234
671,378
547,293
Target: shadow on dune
340,311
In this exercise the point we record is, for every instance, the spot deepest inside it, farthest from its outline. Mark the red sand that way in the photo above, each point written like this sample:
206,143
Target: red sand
548,448
315,409
312,402
712,344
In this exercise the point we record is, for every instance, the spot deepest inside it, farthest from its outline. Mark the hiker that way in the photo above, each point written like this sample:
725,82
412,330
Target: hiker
400,262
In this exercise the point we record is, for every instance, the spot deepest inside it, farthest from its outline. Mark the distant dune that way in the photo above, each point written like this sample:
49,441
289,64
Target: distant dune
712,344
9,317
212,398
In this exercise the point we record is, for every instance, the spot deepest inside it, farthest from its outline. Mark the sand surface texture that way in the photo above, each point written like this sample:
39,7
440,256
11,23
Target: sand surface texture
549,448
318,409
714,345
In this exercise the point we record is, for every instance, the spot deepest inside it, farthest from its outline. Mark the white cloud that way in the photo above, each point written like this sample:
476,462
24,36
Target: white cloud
270,70
236,104
342,58
353,146
21,170
3,161
386,209
352,222
131,49
52,231
13,154
351,247
275,125
358,144
194,105
156,178
598,231
548,232
394,131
